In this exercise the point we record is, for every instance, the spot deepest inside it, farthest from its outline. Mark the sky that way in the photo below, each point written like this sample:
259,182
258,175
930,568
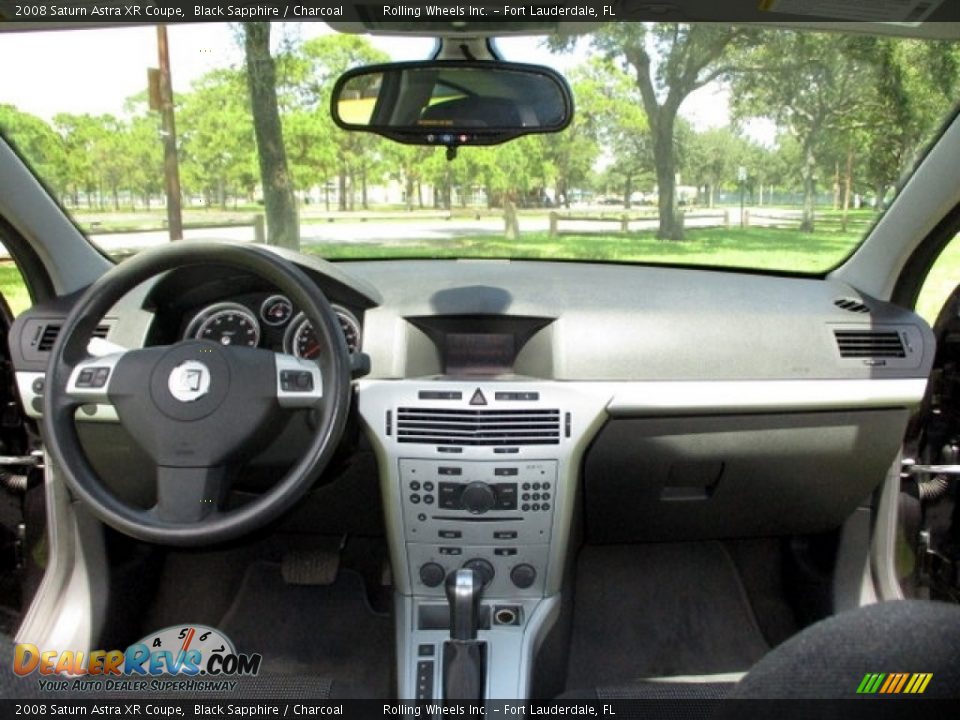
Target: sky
94,71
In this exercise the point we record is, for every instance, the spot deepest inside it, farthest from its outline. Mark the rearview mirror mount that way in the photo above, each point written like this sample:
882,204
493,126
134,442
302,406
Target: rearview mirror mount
451,103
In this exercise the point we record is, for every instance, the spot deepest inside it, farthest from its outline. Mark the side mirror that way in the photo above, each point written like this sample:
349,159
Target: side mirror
452,102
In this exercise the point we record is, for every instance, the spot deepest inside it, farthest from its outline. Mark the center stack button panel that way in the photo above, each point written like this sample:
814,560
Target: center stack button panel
498,511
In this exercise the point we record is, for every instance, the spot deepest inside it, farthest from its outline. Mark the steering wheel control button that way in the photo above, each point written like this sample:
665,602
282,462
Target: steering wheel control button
296,381
189,381
523,576
432,574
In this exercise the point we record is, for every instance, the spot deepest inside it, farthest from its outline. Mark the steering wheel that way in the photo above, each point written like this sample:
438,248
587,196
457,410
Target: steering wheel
199,409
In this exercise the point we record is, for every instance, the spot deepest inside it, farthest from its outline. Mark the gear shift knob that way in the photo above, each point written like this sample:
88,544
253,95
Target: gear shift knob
463,588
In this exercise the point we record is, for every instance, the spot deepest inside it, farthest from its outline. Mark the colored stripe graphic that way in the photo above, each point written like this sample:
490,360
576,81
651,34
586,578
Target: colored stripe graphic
903,679
894,683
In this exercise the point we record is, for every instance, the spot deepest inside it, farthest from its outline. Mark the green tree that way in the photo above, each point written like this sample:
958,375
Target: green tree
39,144
811,84
669,61
310,72
218,149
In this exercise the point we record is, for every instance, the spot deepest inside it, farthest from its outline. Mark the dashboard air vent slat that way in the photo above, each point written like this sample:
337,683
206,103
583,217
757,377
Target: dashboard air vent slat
52,330
851,304
869,343
437,426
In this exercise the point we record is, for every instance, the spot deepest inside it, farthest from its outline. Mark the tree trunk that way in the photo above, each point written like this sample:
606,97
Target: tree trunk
409,193
836,185
278,200
342,188
666,177
847,187
627,191
511,225
363,187
710,196
809,187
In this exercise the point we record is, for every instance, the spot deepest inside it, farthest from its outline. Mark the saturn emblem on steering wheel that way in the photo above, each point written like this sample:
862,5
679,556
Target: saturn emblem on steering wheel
189,381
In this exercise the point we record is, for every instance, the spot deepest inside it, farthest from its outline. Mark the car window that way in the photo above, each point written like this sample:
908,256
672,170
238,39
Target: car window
942,279
12,287
781,167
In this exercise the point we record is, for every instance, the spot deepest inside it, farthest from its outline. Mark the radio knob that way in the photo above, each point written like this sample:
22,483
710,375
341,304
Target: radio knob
477,498
432,574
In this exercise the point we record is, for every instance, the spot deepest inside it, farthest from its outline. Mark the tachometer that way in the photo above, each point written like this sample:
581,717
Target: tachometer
302,341
226,323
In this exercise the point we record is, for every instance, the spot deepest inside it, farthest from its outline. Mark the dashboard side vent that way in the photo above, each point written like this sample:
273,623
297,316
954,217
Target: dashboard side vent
869,344
448,426
851,304
50,332
48,338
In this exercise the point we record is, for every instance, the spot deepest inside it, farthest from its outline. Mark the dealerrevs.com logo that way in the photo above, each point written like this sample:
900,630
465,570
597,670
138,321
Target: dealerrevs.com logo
190,658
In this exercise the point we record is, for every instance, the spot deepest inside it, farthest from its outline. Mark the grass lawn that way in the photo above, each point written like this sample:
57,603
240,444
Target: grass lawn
770,249
764,248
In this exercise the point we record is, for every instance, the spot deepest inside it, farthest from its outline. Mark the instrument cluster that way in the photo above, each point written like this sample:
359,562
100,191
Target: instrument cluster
270,321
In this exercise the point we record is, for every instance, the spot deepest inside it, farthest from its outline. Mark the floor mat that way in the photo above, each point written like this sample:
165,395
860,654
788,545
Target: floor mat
321,630
656,610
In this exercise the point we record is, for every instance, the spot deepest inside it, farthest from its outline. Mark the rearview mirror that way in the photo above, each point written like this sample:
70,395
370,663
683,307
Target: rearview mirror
452,102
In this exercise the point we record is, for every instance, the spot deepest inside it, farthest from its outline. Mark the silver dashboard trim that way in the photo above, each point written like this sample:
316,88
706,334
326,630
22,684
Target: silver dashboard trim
760,395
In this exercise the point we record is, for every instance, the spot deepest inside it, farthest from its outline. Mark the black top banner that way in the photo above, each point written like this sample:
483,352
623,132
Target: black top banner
476,15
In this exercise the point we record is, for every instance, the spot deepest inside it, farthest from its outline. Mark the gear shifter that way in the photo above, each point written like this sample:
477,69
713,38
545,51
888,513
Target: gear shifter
463,594
464,657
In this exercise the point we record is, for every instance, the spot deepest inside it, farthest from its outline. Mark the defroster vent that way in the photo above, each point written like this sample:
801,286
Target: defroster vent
448,426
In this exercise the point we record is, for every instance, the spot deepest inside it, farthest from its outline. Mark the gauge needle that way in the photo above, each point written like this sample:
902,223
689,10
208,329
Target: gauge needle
188,639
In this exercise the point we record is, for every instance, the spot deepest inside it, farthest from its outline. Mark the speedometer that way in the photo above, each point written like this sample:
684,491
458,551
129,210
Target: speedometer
227,324
302,341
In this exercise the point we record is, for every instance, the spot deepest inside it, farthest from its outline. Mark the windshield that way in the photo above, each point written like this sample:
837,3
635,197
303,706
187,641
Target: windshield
703,145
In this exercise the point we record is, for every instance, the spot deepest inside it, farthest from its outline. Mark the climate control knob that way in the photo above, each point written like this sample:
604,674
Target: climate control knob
483,568
523,576
477,498
432,574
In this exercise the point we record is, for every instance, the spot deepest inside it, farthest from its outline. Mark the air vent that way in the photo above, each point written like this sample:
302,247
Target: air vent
48,338
51,331
869,343
851,305
437,426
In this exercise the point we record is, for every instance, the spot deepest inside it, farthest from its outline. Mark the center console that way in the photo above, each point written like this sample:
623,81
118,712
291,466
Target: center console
481,474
